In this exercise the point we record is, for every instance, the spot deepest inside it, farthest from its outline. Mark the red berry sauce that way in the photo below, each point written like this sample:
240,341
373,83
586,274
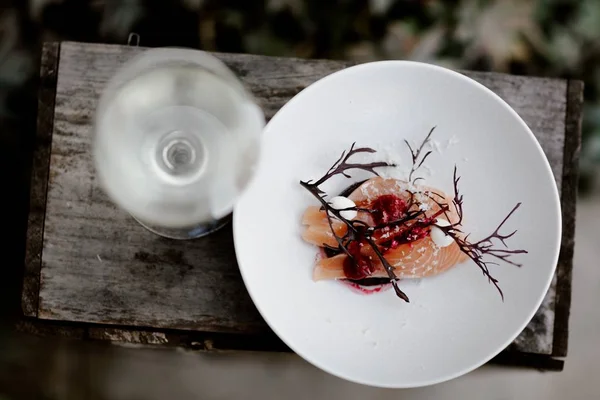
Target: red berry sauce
388,208
359,268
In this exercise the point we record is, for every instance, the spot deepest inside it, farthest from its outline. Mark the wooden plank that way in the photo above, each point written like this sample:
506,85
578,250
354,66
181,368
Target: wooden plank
527,360
569,201
39,178
189,339
50,329
219,342
98,259
100,266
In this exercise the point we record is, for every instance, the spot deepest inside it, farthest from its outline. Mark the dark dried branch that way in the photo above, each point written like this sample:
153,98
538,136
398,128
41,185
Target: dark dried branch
389,269
342,165
354,232
458,198
360,231
444,208
416,163
339,240
496,234
424,158
484,247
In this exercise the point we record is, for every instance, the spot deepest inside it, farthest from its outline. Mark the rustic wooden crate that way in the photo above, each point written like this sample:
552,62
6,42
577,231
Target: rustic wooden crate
92,271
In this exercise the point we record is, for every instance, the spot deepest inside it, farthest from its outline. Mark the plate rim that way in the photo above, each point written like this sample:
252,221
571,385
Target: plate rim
557,212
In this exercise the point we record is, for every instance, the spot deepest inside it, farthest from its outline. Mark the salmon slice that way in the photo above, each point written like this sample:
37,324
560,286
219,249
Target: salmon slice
318,231
418,259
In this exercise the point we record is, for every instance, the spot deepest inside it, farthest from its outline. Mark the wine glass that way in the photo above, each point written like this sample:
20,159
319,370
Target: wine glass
176,141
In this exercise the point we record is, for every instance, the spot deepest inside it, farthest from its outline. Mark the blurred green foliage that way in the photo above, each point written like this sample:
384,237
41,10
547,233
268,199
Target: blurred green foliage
552,38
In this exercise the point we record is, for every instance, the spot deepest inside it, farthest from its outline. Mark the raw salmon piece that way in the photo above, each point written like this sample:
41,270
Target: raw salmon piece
423,259
314,216
418,259
318,231
374,188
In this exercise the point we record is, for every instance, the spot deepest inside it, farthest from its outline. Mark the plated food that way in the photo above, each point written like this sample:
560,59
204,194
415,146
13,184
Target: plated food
385,229
479,163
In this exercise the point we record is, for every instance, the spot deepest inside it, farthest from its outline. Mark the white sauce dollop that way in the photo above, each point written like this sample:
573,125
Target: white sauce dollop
438,236
340,203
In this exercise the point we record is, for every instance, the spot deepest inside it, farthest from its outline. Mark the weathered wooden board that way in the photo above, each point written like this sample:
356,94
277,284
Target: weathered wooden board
98,265
564,270
39,178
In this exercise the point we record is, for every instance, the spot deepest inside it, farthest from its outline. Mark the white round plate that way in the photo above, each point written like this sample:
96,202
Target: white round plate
456,321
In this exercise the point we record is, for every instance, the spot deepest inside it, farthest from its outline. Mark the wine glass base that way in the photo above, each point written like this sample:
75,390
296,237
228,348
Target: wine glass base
193,232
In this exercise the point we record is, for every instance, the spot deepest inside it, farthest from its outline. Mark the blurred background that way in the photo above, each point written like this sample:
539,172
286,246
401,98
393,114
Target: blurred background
550,38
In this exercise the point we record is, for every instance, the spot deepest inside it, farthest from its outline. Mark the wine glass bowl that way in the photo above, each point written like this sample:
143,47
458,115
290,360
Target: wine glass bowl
176,141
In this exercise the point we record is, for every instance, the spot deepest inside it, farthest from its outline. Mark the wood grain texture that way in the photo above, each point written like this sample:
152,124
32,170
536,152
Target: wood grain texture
50,329
39,179
100,266
190,340
211,342
564,269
